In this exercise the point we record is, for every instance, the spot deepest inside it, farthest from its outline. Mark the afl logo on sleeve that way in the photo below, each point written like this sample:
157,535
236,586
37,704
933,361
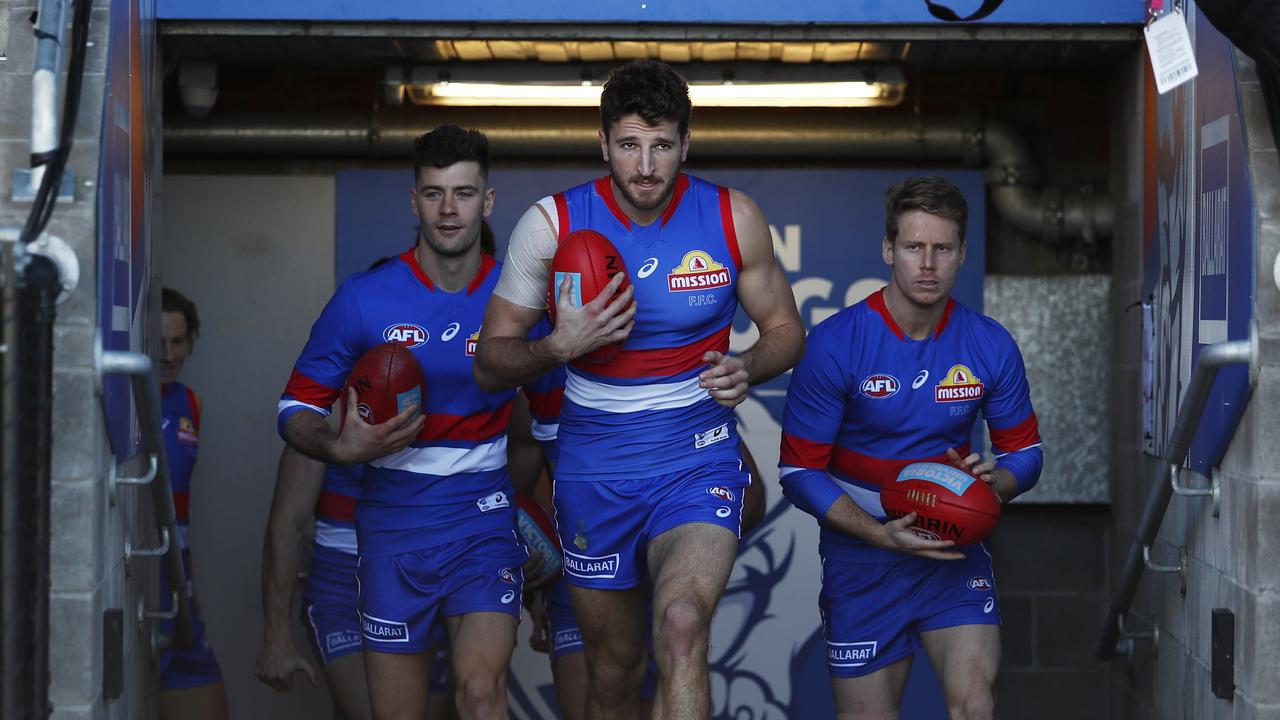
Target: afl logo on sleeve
406,334
697,271
959,385
879,386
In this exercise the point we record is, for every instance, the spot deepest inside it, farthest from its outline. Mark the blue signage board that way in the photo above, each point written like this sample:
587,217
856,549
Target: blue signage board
1090,12
1200,267
768,653
123,238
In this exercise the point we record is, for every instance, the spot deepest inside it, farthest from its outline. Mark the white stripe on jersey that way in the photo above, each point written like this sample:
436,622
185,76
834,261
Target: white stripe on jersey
545,432
336,537
286,404
868,500
445,461
632,398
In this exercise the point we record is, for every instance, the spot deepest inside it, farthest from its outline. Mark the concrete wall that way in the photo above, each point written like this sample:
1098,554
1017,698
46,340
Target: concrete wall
255,253
1230,558
87,568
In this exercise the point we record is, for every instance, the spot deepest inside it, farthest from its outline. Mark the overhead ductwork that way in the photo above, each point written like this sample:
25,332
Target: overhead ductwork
1049,212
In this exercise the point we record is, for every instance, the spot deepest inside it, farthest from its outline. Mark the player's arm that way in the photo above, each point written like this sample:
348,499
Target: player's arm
299,480
1015,433
810,426
504,356
525,458
316,383
766,297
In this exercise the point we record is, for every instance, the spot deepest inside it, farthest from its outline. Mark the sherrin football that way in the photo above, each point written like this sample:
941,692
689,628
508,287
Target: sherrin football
950,504
589,260
387,379
539,533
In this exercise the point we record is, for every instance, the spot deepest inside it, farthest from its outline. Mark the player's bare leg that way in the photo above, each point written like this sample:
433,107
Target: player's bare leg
398,684
877,696
966,658
207,702
349,687
570,674
690,565
480,651
612,624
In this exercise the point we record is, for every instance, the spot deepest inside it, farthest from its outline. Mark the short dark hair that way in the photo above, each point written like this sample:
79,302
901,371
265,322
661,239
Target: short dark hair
648,88
934,195
173,301
450,144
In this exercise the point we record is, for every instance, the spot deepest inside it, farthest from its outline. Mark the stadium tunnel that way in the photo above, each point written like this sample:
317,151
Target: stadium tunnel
264,120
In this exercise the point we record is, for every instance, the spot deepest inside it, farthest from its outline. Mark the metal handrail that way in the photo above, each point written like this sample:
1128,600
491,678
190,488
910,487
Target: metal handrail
1210,360
146,396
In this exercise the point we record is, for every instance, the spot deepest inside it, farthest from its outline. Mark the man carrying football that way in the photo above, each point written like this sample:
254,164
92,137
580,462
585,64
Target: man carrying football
896,379
435,521
649,485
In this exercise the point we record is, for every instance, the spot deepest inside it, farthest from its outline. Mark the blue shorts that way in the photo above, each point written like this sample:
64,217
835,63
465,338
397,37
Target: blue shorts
605,527
403,599
566,638
195,666
873,612
329,604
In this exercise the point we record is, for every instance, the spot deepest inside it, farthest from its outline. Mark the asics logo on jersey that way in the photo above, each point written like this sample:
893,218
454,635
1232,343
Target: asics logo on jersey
880,386
449,332
711,437
959,385
920,380
989,605
407,334
508,596
647,268
979,583
495,501
697,271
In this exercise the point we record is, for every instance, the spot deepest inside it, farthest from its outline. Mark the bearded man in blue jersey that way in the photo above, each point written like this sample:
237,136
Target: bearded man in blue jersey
649,483
886,591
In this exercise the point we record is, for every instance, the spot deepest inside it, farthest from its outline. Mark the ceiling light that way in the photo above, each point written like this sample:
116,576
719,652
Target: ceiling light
532,85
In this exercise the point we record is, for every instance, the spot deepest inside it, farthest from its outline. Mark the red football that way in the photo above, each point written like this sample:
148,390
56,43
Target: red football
539,533
950,504
387,379
590,260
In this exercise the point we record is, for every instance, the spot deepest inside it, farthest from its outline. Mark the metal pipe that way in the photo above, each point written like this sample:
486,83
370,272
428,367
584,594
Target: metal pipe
50,30
573,134
147,399
1210,360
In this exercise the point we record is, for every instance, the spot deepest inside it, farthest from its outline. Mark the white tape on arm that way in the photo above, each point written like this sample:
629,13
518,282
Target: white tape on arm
533,244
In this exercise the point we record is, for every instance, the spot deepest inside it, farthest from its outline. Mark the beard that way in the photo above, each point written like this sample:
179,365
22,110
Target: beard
662,193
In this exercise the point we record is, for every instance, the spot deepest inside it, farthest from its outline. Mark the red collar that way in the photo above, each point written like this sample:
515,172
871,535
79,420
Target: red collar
604,188
487,264
876,301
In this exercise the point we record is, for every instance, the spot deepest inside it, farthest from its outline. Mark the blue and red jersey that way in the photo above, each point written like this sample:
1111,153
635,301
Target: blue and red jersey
642,413
451,482
546,398
867,400
336,508
180,425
